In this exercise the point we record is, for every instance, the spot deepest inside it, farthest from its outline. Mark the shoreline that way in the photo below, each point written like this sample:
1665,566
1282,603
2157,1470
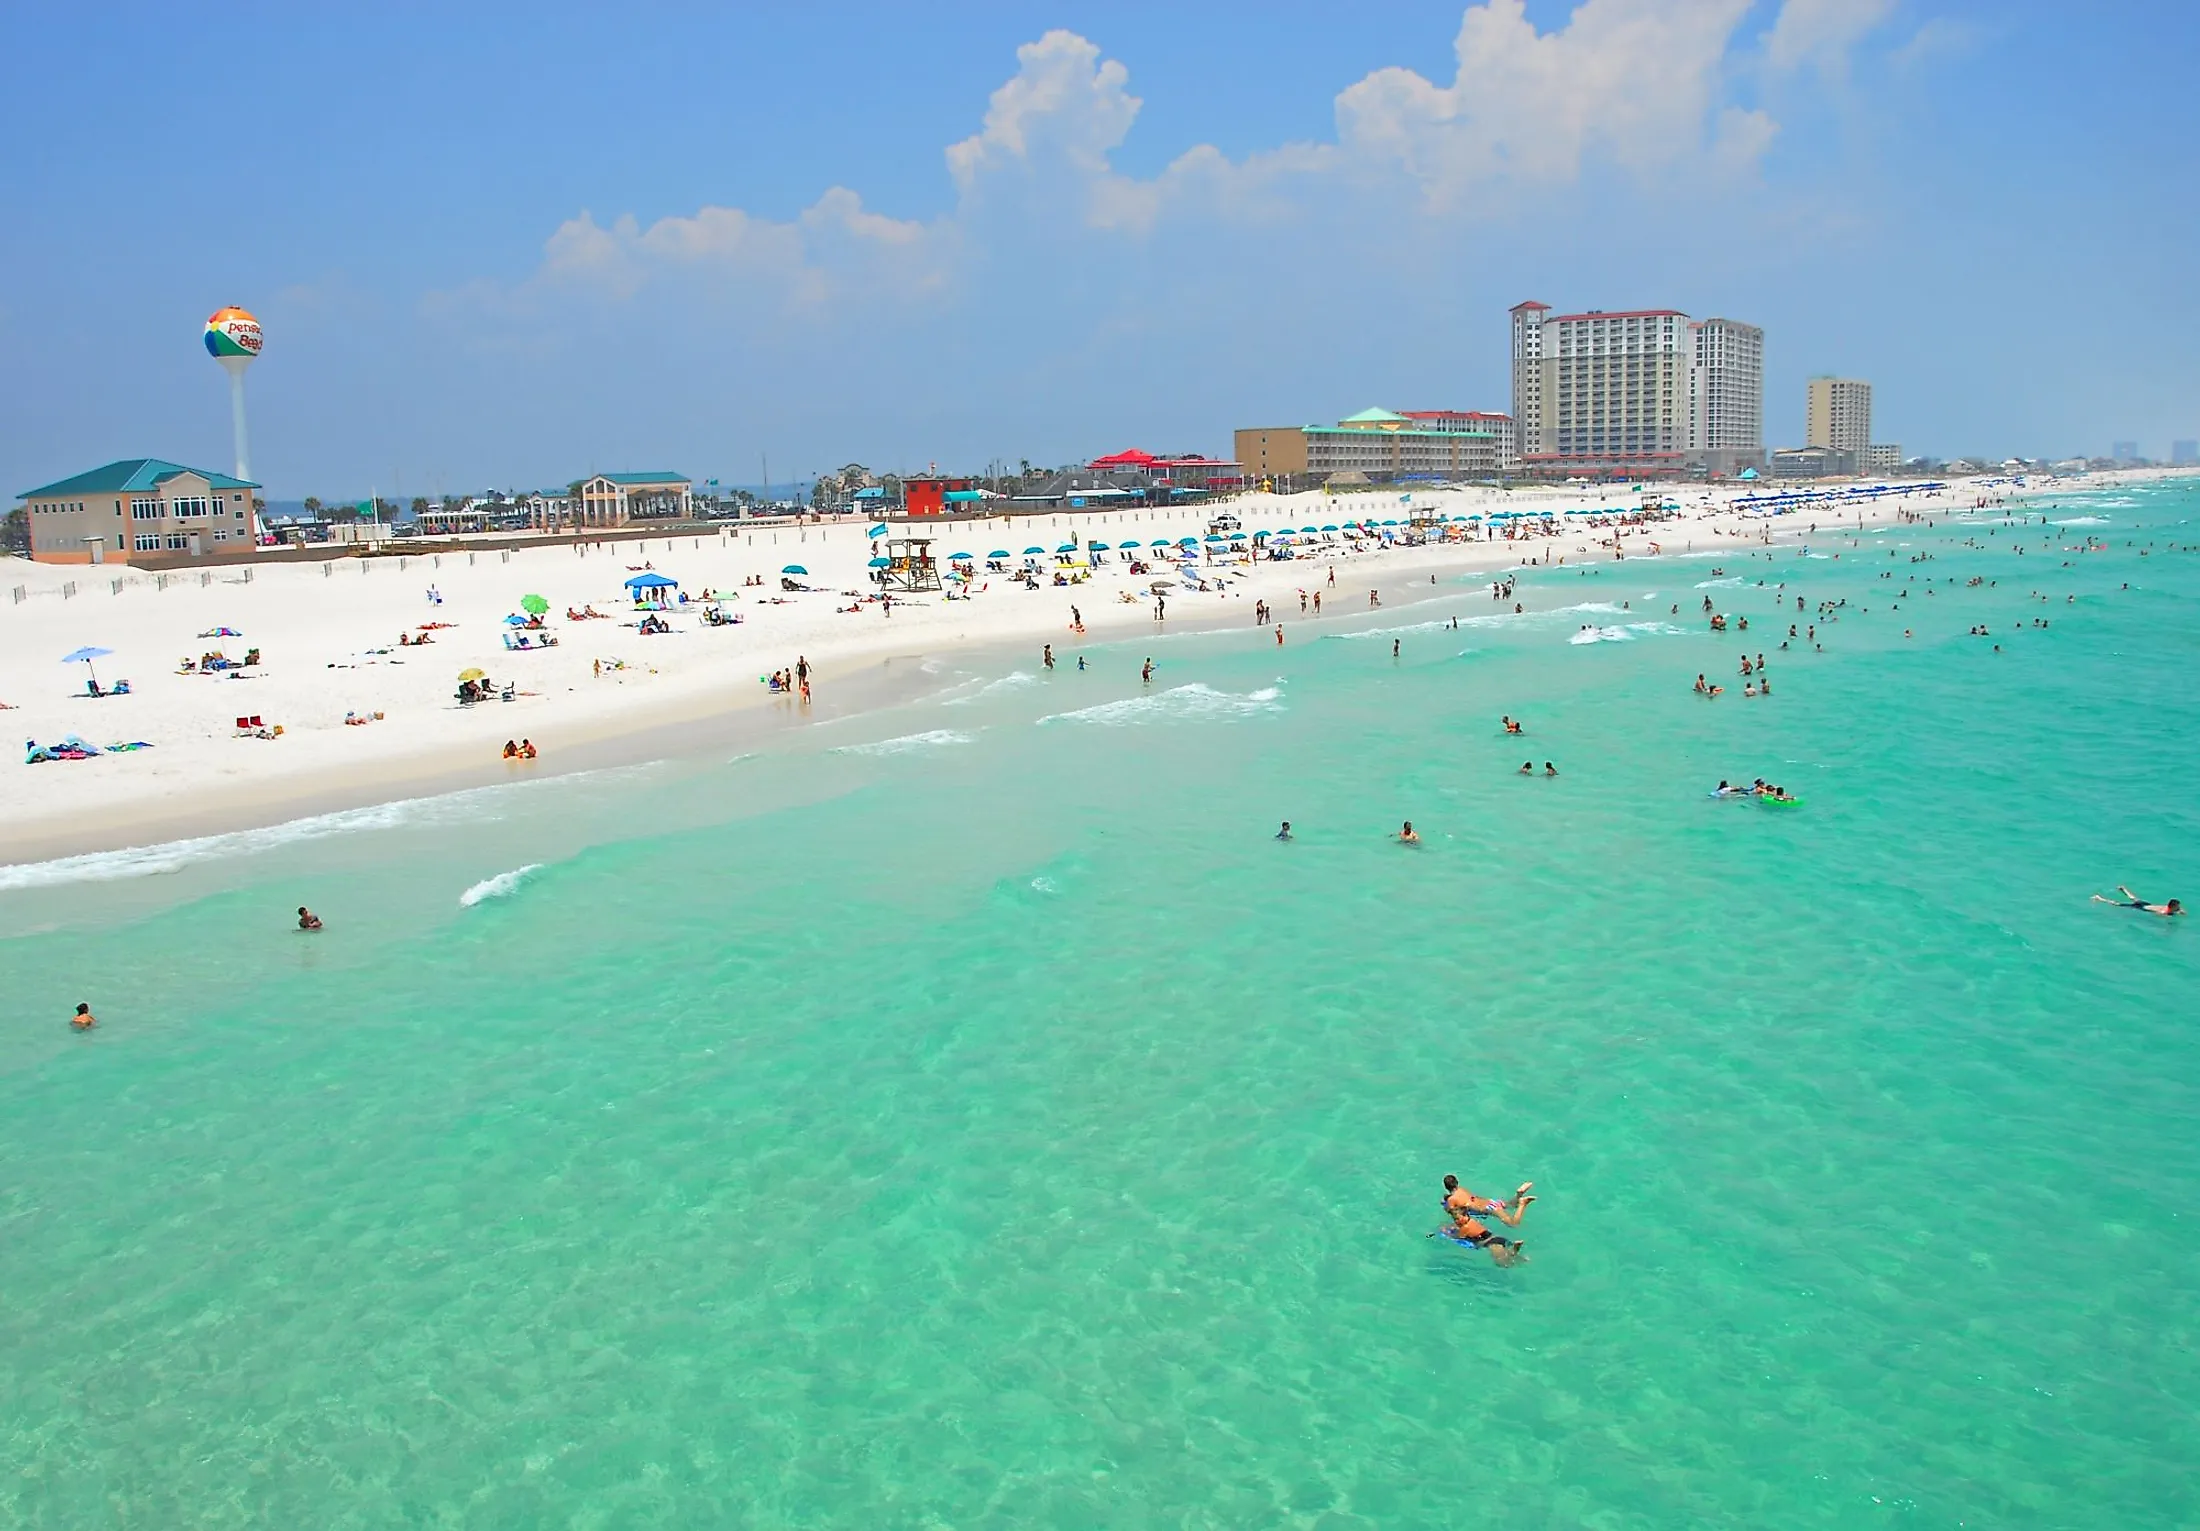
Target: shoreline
859,672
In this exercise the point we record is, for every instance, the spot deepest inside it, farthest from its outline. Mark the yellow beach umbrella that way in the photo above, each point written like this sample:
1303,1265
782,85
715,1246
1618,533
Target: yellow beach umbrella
467,675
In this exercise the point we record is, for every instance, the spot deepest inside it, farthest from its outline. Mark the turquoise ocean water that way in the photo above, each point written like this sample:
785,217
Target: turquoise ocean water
969,1116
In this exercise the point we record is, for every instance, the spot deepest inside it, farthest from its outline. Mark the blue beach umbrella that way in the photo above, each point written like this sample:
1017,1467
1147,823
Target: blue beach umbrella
1067,547
877,531
1133,544
794,568
1187,542
1329,528
962,558
84,657
1309,528
998,553
1031,550
882,563
1158,542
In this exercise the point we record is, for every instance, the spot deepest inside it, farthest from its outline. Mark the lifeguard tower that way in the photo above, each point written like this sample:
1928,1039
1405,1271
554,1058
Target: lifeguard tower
910,565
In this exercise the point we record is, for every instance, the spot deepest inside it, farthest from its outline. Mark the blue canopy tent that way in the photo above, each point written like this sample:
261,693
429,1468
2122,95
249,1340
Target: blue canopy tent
650,582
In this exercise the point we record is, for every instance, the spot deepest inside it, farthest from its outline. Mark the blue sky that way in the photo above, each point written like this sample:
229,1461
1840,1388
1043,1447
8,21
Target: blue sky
513,244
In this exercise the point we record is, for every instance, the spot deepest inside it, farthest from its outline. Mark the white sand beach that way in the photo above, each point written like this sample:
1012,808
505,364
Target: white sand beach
326,633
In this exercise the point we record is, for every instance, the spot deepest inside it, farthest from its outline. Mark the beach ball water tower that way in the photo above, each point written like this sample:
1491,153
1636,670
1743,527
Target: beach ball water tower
233,339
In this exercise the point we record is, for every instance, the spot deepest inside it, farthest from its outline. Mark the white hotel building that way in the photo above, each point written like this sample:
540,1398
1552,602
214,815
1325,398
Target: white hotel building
1638,391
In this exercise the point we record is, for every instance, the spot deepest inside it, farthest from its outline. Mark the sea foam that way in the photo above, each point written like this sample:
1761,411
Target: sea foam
470,806
499,886
1178,702
930,739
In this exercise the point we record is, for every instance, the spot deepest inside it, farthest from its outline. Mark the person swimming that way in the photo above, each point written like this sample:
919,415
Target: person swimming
1458,1199
307,919
1285,832
1467,1228
2131,900
1549,769
1511,726
1527,768
1406,836
83,1020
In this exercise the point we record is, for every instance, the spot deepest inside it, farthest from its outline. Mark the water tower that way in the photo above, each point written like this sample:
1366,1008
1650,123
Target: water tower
233,339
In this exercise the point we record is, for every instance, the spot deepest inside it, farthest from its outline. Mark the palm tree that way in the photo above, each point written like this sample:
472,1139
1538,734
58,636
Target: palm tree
312,505
420,505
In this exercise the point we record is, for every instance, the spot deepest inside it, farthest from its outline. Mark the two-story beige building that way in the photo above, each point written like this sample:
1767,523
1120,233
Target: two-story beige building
139,506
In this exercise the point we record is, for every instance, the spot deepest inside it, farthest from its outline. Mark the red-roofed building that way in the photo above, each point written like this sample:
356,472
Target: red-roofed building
1190,472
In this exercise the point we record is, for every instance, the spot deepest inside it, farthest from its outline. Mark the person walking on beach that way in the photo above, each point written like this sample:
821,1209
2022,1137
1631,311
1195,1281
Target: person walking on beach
802,670
83,1020
1317,603
2131,900
1046,655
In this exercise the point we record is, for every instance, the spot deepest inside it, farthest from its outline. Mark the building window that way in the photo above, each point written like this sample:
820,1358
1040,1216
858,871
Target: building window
189,508
145,510
178,542
147,542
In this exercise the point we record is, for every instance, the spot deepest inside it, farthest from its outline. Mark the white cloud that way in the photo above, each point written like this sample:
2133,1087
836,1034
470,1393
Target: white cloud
1064,103
1939,38
1821,32
790,258
1638,85
1635,82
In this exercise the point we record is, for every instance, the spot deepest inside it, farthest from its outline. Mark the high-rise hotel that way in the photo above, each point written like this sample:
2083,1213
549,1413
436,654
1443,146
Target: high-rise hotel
1645,390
